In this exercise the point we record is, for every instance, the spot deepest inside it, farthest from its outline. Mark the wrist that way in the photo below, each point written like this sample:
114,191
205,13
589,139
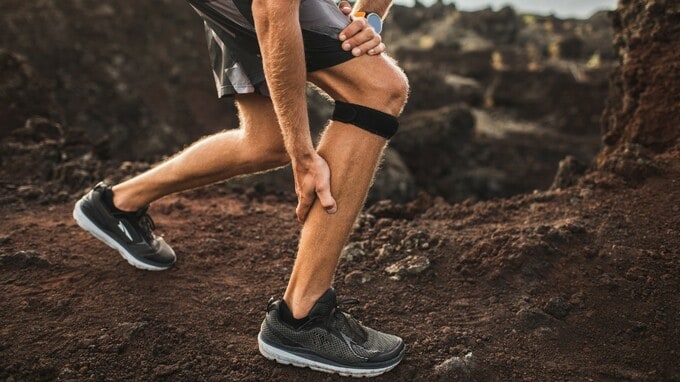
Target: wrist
303,158
298,141
373,19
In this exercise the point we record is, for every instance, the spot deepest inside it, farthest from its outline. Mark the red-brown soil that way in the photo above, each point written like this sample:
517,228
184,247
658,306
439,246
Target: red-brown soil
575,284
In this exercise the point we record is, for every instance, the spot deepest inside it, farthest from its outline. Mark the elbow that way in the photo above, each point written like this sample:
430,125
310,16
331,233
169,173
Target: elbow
272,18
260,8
267,9
274,21
263,18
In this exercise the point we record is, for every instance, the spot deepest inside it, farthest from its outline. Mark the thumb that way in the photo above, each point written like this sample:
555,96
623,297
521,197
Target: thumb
326,199
345,7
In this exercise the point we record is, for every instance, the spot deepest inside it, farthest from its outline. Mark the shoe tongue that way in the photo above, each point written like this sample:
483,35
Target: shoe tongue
324,305
140,212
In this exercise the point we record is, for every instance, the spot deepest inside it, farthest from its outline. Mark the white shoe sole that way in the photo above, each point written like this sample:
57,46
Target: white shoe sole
285,358
85,223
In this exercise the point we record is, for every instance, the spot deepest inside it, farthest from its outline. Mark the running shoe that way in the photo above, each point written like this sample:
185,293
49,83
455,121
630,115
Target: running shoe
328,340
130,233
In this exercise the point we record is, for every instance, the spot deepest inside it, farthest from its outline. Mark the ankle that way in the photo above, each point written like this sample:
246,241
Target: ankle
122,202
286,316
298,308
300,305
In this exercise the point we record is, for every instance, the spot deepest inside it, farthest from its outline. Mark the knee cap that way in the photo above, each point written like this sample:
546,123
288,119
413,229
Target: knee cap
371,120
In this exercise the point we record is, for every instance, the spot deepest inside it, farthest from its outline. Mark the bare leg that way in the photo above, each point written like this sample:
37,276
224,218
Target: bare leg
352,154
256,146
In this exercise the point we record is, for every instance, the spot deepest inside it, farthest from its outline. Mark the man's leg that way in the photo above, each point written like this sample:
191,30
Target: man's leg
256,146
305,328
352,154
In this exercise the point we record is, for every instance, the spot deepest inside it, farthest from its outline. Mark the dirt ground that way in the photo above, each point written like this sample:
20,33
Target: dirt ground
576,285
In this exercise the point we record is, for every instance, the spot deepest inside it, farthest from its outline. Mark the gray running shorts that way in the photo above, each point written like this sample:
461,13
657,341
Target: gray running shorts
234,51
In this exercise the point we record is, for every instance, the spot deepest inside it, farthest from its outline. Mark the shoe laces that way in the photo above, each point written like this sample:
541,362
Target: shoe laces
338,314
146,224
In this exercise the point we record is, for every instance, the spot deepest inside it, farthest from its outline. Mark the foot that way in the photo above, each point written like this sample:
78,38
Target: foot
328,340
131,233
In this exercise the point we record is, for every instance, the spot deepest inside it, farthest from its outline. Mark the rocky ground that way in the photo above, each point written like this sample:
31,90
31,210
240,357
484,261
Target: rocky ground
577,282
498,98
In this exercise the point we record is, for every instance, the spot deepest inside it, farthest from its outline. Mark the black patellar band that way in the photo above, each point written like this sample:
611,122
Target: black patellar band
371,120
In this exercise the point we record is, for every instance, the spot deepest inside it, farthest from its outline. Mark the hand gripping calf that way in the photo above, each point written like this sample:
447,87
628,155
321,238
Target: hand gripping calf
371,120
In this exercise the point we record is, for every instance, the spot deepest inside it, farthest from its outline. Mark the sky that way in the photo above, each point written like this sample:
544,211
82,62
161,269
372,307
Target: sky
561,8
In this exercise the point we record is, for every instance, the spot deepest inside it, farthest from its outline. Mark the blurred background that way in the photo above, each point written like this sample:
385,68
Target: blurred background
573,8
500,94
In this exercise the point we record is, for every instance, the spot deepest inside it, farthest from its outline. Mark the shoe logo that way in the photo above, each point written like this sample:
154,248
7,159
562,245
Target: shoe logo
351,344
121,226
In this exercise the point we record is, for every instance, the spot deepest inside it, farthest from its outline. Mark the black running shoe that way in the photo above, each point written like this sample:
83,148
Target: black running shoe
131,233
330,341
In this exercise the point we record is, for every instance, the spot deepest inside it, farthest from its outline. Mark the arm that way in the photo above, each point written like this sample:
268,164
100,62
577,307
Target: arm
380,7
280,37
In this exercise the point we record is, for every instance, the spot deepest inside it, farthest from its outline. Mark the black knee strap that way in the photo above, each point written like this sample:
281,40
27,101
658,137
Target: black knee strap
371,120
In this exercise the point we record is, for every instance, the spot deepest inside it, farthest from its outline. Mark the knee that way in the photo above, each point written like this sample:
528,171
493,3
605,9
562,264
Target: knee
377,104
390,90
398,90
371,81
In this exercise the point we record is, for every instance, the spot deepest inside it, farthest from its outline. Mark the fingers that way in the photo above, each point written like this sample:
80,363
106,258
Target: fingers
345,7
362,41
353,28
365,42
326,199
305,202
373,51
303,207
323,187
312,182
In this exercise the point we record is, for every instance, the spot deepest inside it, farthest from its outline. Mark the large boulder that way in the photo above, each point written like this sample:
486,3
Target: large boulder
553,97
431,89
598,35
393,180
429,142
642,108
434,131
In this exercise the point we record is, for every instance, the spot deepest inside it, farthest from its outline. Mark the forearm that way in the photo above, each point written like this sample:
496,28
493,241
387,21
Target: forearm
280,38
380,7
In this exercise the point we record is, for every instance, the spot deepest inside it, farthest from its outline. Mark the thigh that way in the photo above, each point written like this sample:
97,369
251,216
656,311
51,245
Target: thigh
258,119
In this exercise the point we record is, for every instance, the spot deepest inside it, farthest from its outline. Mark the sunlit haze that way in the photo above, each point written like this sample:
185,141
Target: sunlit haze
560,8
